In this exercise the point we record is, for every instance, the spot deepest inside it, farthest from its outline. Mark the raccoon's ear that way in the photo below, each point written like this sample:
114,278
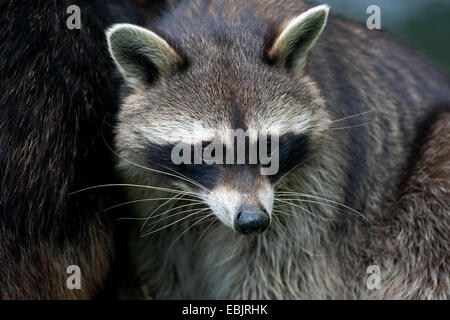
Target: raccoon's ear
297,37
140,55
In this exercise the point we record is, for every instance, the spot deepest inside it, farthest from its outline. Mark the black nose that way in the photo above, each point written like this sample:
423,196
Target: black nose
251,219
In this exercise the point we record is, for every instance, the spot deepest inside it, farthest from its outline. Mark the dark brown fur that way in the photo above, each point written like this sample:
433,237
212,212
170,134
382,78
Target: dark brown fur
57,94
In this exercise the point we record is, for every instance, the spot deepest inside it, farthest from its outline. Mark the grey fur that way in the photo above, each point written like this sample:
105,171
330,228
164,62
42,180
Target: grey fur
365,115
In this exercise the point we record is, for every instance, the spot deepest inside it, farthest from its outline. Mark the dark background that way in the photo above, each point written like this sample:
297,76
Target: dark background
424,24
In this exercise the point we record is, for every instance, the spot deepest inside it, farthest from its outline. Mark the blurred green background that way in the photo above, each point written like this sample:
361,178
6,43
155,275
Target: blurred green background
424,24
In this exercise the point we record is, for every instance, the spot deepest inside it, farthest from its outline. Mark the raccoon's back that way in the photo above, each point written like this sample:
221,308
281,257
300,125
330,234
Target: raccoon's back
383,94
361,69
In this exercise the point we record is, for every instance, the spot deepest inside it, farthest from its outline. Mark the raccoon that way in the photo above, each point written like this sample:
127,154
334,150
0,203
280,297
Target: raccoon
57,92
356,115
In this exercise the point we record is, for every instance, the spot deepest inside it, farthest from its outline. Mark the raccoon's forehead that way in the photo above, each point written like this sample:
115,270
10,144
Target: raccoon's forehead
215,96
197,120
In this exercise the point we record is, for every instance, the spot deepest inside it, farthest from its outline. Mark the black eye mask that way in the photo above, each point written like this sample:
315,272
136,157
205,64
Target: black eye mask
291,151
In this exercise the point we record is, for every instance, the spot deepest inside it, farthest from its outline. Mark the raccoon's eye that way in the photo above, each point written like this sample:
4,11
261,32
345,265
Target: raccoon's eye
213,152
269,145
206,148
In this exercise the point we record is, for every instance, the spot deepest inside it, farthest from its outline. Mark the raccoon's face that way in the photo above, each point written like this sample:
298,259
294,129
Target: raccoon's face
226,120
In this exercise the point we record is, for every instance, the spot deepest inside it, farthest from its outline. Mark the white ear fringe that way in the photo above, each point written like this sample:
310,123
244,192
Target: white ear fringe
292,25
